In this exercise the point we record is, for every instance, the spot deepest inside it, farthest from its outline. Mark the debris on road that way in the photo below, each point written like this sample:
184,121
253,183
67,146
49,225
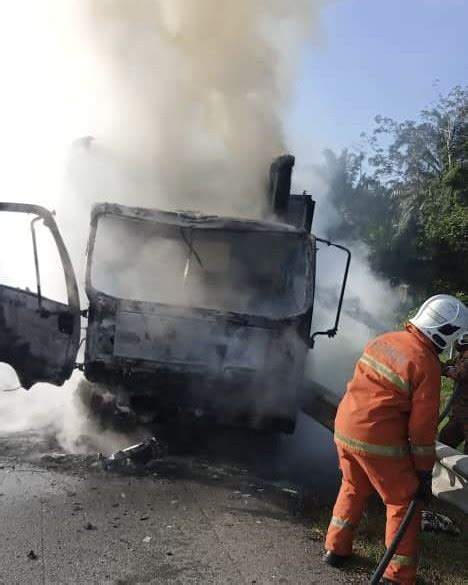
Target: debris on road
134,457
435,522
89,526
32,556
66,462
147,539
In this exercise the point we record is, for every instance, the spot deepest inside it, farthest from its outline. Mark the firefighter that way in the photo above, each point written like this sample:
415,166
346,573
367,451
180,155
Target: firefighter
456,429
385,431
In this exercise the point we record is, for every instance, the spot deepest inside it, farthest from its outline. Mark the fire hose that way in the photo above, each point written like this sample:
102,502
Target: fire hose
375,579
387,557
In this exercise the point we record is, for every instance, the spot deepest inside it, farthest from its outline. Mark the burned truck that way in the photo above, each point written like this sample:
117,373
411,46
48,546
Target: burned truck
187,313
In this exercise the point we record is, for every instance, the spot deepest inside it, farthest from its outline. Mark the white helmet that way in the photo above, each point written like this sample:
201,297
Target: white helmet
442,319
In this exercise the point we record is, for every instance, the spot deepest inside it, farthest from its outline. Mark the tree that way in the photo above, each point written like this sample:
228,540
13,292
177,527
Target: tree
411,207
360,200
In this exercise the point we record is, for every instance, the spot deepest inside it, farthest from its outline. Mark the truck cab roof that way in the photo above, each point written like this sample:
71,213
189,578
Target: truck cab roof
197,219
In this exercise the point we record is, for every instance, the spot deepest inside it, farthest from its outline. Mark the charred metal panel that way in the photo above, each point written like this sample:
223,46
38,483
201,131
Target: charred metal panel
153,339
166,339
189,219
300,211
39,337
38,344
189,359
206,342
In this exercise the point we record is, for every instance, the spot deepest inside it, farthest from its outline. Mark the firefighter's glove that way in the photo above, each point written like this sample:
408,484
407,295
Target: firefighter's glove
424,492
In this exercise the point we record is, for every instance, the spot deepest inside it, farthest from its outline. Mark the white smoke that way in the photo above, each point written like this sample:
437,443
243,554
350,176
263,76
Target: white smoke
56,413
192,95
370,307
370,304
185,99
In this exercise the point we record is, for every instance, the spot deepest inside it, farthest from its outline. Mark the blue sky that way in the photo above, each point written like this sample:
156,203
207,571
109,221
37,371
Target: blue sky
375,57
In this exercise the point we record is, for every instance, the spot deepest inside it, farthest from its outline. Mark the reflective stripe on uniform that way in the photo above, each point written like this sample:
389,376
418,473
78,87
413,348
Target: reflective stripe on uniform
422,449
386,372
342,523
404,561
371,448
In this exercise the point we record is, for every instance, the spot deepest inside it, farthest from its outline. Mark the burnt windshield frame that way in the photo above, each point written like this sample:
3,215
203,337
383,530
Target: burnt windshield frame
197,222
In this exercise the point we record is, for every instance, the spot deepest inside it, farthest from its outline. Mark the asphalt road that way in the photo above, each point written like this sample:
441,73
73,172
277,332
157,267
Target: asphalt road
184,520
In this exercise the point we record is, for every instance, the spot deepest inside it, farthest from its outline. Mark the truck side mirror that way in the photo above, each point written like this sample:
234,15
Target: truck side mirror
332,332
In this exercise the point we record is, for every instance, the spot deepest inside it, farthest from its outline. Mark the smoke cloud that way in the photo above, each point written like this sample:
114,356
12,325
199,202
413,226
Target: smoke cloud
193,94
370,304
370,307
184,101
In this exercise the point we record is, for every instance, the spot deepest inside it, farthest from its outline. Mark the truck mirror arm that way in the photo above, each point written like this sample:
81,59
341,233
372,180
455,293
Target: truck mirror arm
332,332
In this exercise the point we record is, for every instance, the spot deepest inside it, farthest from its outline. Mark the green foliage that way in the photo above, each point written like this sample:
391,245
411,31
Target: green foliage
411,206
446,391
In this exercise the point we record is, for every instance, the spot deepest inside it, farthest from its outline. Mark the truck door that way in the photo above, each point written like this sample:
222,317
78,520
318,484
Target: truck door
39,337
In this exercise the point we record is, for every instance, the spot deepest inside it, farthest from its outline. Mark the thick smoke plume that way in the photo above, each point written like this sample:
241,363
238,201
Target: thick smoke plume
185,100
370,305
193,94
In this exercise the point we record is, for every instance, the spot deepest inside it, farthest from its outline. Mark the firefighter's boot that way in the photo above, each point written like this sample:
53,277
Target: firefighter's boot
335,560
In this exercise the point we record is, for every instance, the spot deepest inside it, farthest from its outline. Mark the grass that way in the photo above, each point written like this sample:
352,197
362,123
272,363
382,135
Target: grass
443,557
445,393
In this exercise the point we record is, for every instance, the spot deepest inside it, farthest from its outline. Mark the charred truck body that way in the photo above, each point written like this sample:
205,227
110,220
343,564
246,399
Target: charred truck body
187,312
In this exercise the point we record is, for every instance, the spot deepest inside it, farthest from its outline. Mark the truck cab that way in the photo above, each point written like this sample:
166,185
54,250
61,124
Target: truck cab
186,312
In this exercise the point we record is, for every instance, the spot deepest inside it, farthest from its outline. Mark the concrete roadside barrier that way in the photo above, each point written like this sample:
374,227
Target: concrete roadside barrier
450,477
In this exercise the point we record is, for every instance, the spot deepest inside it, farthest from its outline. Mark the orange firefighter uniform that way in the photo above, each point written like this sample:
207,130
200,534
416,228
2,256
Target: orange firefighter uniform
456,429
385,432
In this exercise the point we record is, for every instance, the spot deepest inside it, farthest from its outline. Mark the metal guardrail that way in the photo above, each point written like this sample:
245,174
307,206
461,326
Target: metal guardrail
450,477
320,403
450,473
